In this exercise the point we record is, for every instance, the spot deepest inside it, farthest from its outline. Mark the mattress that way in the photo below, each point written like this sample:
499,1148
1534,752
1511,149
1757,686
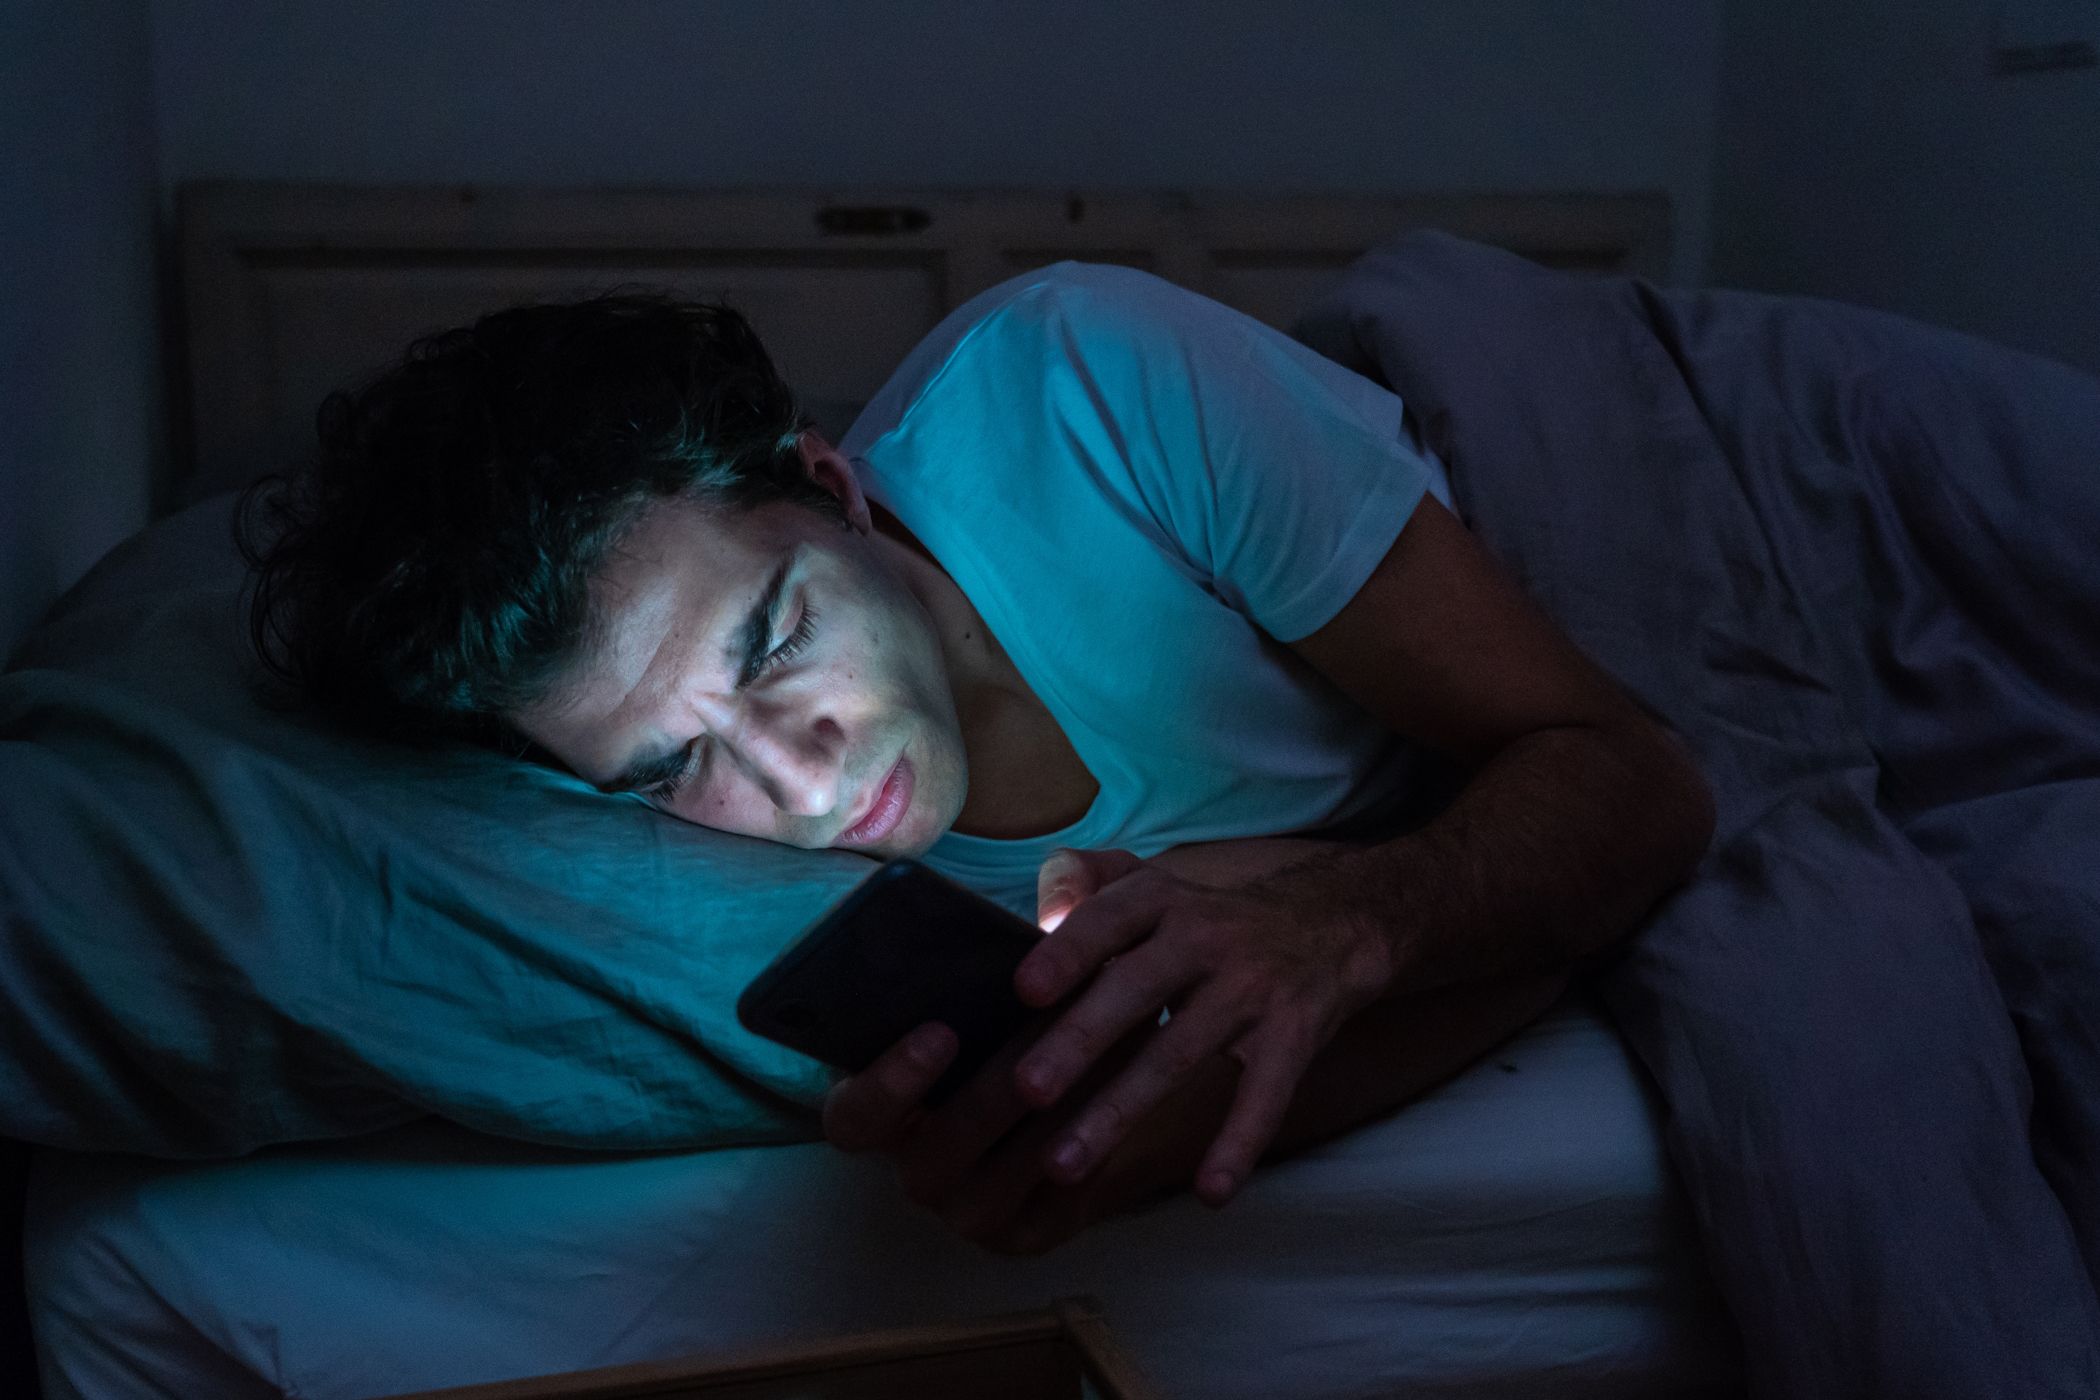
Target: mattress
1517,1232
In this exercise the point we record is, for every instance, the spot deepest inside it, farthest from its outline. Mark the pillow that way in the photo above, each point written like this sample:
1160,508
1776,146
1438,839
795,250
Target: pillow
224,925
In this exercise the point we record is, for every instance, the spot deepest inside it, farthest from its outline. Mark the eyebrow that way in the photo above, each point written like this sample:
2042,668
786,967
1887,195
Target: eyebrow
747,649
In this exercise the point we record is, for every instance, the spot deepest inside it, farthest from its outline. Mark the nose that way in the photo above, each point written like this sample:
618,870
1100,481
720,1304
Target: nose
797,764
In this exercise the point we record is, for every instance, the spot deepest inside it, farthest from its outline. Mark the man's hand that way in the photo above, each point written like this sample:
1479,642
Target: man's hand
960,1160
977,1159
1247,977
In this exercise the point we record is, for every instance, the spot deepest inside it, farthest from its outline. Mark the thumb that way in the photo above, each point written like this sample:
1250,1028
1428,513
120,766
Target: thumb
1068,876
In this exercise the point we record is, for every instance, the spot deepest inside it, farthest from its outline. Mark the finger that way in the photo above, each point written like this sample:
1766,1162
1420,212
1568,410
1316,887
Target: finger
1266,1087
1010,1182
951,1141
1053,1213
1123,997
1113,919
870,1109
1168,1061
986,1202
1068,876
1063,880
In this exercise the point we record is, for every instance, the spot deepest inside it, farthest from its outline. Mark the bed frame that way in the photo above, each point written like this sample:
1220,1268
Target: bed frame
1062,1352
292,290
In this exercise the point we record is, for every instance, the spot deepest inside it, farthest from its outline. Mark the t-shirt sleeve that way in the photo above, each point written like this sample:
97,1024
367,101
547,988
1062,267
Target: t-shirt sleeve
1281,476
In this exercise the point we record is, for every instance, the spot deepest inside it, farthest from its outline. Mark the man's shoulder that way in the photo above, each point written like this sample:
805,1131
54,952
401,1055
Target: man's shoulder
1105,322
1064,293
1029,325
1076,281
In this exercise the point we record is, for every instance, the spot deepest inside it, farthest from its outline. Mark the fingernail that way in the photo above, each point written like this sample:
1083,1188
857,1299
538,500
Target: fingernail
928,1045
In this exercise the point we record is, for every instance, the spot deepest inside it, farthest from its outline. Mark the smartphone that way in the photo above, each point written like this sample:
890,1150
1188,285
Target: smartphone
904,947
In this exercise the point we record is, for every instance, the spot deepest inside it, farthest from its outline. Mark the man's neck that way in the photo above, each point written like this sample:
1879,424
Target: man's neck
977,661
890,527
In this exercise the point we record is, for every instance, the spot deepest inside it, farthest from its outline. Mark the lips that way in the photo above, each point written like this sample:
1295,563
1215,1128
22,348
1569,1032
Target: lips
874,800
896,787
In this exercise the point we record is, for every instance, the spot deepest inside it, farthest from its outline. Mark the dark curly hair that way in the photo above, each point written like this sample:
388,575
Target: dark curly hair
429,571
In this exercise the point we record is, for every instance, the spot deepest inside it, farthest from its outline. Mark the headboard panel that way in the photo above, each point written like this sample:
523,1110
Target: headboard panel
292,290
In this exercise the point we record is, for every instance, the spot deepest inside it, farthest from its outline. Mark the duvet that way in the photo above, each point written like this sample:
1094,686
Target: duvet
1851,559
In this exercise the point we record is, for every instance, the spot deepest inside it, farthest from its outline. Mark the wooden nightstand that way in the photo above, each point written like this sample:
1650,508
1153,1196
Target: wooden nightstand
1063,1352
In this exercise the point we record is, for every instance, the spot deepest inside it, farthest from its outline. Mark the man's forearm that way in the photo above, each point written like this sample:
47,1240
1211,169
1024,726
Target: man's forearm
1400,1048
1553,850
1389,1053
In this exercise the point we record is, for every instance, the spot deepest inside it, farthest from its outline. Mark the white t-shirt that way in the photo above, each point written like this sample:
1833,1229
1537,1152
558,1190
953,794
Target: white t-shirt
1145,494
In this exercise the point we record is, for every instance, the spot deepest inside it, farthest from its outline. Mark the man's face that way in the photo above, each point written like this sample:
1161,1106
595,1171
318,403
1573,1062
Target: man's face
846,676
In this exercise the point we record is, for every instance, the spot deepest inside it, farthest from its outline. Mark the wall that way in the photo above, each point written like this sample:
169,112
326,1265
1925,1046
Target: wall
80,402
1869,152
1345,95
112,99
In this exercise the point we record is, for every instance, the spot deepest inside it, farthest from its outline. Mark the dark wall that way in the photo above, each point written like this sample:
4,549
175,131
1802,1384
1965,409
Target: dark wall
17,1352
80,431
1874,152
1342,96
113,102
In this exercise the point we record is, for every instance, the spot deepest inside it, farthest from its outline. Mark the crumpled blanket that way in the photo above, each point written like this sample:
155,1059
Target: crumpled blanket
1852,560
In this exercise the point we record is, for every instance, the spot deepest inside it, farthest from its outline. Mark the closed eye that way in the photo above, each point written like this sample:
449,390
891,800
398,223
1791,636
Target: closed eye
805,629
667,789
797,640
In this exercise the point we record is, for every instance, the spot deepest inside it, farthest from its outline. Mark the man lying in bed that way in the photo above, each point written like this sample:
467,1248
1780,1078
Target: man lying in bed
1105,568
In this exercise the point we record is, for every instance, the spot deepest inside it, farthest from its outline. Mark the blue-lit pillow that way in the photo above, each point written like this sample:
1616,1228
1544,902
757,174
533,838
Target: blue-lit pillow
223,925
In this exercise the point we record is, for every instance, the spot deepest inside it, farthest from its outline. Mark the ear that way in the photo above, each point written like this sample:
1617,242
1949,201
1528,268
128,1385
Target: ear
830,470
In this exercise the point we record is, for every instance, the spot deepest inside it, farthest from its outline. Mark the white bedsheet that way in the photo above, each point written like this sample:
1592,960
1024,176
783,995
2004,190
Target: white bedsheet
1516,1233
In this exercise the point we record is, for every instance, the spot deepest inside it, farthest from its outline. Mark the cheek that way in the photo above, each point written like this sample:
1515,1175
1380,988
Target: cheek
748,814
726,804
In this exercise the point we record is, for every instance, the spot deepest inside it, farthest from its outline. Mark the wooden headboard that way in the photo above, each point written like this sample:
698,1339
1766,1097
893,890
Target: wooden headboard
290,291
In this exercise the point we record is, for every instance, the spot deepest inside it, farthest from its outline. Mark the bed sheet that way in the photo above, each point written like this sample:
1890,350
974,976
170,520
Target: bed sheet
1517,1232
